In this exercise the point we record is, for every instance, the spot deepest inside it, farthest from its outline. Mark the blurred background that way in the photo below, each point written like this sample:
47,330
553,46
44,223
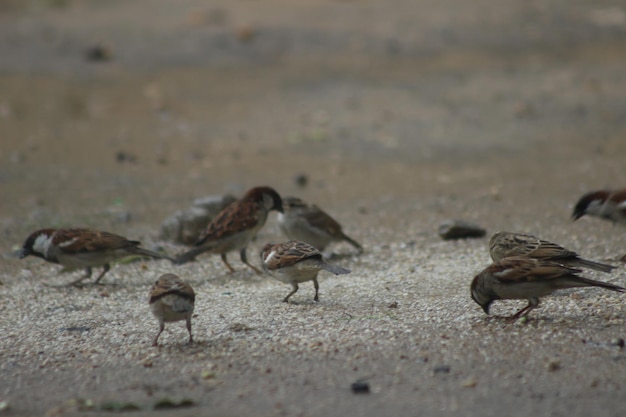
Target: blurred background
139,106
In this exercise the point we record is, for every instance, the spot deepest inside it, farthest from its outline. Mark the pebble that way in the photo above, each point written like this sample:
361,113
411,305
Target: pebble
460,229
360,387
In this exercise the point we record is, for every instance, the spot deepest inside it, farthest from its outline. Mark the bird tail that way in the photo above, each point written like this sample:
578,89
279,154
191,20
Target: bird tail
594,265
354,243
337,270
149,253
594,283
190,255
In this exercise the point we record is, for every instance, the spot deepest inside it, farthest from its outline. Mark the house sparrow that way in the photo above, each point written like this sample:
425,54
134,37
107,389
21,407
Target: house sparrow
82,248
608,205
507,244
520,278
309,223
294,262
171,299
236,225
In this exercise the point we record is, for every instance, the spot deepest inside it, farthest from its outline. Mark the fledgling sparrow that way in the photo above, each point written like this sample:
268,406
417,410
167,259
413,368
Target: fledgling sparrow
507,244
171,299
310,224
605,204
294,262
236,225
82,248
518,278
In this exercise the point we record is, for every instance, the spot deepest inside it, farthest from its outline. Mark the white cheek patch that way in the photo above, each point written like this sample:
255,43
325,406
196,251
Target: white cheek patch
42,244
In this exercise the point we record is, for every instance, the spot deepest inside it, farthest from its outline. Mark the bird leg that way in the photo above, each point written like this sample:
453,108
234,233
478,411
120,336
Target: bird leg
104,271
532,304
317,289
230,268
244,259
156,339
295,288
189,329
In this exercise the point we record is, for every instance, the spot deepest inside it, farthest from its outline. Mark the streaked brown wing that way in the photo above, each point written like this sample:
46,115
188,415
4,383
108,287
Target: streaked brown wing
545,249
86,240
163,287
521,269
618,196
322,220
290,253
233,219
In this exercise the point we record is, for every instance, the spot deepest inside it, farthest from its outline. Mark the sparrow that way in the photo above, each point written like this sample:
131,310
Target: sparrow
171,299
235,226
82,248
518,278
309,223
507,244
605,204
294,262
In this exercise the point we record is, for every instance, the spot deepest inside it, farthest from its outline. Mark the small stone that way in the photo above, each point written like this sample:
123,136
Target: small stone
360,387
554,365
301,180
393,305
123,156
441,369
99,53
460,229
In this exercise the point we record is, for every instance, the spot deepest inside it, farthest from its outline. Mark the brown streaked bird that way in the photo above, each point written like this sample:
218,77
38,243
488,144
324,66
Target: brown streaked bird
310,224
519,278
235,226
604,204
294,262
171,299
82,248
507,244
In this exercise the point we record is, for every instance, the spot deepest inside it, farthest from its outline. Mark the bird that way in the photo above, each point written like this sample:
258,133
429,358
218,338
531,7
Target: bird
519,277
171,299
506,244
294,262
75,248
310,224
605,204
235,226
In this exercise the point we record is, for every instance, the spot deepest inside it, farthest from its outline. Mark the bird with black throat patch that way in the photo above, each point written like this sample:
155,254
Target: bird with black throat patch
77,248
604,204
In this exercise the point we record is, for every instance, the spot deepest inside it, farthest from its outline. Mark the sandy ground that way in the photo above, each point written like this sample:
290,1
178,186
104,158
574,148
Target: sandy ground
402,114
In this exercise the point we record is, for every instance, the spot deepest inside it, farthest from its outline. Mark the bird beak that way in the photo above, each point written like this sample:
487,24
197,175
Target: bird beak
23,253
486,307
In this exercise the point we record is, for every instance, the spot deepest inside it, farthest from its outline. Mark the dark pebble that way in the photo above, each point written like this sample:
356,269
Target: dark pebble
441,369
460,229
360,387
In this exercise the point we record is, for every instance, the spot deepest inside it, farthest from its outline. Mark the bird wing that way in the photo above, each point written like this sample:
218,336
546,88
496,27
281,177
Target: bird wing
233,219
161,289
520,269
290,253
74,241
